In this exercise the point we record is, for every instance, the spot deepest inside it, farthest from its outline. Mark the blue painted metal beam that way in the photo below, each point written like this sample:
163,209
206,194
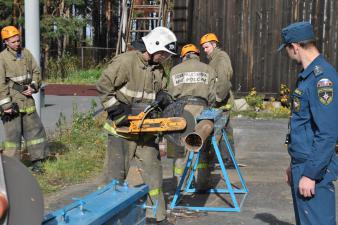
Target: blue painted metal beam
112,204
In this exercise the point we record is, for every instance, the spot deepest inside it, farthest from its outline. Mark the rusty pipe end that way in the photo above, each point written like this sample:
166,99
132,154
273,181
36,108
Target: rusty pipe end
193,142
3,205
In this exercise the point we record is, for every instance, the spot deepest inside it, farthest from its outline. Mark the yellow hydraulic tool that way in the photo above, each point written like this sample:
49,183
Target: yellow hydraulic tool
140,124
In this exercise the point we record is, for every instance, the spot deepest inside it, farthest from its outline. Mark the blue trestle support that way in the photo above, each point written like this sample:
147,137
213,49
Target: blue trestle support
113,204
220,121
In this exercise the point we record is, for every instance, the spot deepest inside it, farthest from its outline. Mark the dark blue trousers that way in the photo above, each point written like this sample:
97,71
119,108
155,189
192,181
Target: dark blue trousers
317,210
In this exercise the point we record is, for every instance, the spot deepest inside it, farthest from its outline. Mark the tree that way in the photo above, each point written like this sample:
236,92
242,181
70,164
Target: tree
60,22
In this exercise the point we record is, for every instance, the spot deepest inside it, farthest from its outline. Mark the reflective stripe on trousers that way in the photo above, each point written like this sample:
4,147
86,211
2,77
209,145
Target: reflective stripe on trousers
10,145
35,141
178,171
155,192
28,110
202,165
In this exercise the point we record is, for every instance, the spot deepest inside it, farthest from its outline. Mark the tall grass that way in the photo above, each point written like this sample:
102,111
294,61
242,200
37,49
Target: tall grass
78,151
78,77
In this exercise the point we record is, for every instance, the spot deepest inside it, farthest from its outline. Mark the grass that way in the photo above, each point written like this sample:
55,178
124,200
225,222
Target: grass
275,113
78,152
78,77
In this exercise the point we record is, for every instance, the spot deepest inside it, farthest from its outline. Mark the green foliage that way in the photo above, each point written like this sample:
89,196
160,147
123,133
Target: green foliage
61,68
79,151
284,95
276,113
10,13
5,12
57,27
254,100
79,77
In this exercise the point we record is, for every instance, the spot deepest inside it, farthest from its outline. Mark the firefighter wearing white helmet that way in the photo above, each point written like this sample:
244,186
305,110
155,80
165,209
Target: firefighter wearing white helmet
134,80
160,39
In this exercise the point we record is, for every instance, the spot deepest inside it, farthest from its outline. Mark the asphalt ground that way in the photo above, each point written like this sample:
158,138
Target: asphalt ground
259,146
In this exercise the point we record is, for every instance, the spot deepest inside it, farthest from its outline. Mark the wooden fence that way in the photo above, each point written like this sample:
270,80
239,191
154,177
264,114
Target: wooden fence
249,31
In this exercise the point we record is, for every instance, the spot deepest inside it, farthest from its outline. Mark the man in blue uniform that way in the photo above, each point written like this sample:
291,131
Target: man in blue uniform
313,129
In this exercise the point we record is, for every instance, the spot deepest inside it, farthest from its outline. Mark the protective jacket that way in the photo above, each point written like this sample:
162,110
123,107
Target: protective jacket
130,79
220,61
314,121
16,70
192,78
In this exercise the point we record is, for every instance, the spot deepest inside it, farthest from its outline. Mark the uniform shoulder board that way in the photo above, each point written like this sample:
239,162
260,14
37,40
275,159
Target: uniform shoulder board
317,70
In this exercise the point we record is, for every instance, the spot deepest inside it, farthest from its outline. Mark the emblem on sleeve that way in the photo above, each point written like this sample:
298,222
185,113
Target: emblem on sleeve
298,92
296,104
325,91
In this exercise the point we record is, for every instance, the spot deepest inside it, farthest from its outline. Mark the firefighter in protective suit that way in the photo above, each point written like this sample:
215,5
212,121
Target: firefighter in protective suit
20,78
193,82
220,61
133,79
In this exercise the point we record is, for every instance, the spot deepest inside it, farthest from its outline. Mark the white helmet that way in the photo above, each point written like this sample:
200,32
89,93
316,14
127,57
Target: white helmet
160,39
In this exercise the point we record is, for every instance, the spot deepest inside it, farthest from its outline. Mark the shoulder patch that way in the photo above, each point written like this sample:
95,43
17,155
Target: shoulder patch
317,70
296,104
298,92
325,82
325,91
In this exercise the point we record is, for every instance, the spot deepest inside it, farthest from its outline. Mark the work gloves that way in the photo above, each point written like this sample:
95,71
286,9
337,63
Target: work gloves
119,113
163,99
9,116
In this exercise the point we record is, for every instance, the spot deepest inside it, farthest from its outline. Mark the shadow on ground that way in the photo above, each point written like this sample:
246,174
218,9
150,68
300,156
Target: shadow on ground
270,219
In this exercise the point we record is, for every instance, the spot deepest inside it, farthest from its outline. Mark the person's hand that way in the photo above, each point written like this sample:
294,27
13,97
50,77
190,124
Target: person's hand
163,99
306,187
288,176
9,111
29,91
119,110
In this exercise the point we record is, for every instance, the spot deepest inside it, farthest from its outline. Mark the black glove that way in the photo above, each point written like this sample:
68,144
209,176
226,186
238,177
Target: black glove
9,116
163,99
117,111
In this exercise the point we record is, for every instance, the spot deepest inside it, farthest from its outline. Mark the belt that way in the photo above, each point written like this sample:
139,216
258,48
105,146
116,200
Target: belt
193,100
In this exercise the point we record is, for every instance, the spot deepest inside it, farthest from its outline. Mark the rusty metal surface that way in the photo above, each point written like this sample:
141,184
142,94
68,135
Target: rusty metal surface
194,141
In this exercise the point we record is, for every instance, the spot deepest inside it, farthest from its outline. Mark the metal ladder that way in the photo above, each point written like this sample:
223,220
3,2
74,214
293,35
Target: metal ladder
138,17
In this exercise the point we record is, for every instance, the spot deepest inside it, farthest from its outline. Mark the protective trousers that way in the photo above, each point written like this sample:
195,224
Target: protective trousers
145,151
319,209
223,148
203,172
29,127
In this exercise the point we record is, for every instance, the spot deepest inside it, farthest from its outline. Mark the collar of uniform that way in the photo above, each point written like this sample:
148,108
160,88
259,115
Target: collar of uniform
306,72
140,56
191,56
12,53
213,53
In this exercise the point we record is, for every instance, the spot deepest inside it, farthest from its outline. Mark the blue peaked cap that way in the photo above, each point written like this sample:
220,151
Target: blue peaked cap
295,33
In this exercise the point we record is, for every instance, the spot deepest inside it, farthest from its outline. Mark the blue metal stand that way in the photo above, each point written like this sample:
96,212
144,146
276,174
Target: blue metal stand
192,162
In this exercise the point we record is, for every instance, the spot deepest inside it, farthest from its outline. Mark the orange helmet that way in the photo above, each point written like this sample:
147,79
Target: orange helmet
189,48
9,31
208,37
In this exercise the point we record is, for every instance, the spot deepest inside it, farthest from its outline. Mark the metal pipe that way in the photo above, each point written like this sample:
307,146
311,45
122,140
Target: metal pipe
195,140
32,38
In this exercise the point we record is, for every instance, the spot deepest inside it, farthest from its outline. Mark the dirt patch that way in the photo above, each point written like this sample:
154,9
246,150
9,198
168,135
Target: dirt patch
70,90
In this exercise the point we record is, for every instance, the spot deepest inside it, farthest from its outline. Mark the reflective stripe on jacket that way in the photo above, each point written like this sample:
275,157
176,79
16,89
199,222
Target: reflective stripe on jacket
130,79
21,69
